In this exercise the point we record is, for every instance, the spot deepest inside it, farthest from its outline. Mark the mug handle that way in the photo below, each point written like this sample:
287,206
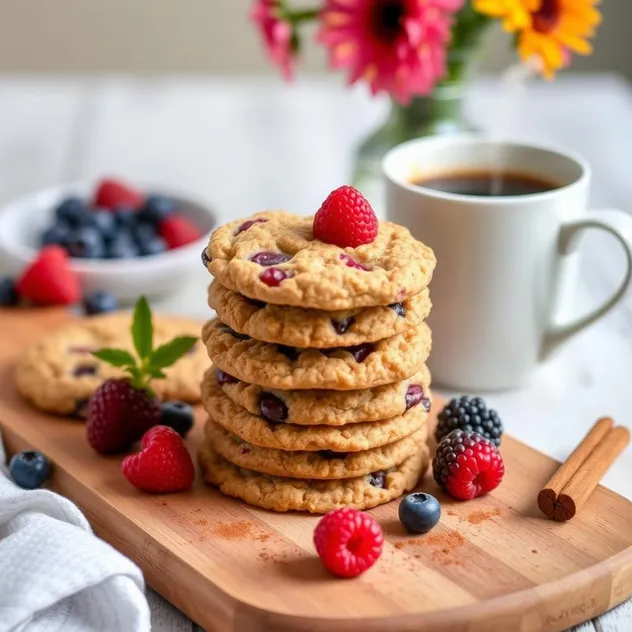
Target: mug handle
619,225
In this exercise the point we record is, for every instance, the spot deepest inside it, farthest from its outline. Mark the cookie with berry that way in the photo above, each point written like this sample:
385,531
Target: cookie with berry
273,431
315,464
298,327
323,407
340,368
340,259
294,494
59,372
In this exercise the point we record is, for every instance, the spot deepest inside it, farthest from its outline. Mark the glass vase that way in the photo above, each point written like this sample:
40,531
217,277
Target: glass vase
438,113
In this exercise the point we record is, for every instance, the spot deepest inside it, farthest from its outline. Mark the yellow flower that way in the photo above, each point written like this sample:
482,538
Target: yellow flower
548,30
515,14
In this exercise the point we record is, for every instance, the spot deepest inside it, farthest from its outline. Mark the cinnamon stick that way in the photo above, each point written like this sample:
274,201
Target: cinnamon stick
547,498
579,488
577,477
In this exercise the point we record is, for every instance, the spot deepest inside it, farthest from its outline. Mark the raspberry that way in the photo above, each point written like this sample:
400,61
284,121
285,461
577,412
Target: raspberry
178,230
345,219
467,465
112,194
274,276
352,263
119,415
163,466
348,541
472,415
49,279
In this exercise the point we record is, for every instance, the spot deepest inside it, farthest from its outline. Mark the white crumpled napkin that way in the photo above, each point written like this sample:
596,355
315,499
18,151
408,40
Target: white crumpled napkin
55,575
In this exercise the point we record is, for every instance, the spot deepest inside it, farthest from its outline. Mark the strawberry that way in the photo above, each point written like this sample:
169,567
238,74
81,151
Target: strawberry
178,230
49,279
112,194
345,219
121,410
163,466
119,415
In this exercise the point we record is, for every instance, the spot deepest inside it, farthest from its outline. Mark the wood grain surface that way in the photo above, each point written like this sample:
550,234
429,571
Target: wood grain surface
491,564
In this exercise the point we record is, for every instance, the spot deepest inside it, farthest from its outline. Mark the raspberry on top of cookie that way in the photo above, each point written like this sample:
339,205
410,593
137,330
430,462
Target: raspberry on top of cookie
342,258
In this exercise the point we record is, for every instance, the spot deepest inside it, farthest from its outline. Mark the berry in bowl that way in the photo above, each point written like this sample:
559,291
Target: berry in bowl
119,240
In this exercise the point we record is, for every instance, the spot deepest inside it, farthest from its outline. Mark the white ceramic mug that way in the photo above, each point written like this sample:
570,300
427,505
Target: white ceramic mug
505,265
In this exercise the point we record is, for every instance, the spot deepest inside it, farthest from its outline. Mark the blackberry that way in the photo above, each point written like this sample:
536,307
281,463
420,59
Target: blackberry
467,465
471,415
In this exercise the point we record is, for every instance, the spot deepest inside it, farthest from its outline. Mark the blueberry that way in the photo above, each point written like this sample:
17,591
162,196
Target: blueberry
177,415
148,241
72,211
143,231
85,243
272,408
125,216
104,222
153,246
29,469
57,234
8,293
123,247
100,303
419,512
156,208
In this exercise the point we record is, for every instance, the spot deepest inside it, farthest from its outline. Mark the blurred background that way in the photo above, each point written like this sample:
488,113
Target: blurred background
207,36
181,97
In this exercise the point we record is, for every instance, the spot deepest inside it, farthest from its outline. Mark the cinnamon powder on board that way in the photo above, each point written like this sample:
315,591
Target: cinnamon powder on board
238,530
443,546
477,517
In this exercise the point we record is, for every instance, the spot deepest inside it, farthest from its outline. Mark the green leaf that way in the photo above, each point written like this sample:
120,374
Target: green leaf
167,354
137,377
115,357
142,329
154,371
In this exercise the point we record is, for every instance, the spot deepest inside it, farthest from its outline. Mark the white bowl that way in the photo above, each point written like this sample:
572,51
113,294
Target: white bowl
23,220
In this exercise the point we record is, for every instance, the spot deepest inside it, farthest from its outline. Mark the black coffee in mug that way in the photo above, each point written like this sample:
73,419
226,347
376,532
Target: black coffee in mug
486,183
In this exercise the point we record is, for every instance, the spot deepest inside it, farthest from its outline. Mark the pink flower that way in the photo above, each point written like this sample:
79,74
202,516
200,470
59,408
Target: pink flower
276,33
396,46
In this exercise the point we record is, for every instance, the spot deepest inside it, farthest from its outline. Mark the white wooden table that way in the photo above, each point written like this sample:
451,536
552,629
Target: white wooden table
247,144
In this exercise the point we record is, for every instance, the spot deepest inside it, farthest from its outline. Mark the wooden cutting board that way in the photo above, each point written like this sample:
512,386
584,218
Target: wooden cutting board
491,564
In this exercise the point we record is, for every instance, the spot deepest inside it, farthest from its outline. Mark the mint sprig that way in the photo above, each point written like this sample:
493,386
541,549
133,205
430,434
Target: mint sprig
149,362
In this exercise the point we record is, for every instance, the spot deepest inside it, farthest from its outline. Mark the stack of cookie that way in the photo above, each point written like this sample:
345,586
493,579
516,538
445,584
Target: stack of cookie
319,394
